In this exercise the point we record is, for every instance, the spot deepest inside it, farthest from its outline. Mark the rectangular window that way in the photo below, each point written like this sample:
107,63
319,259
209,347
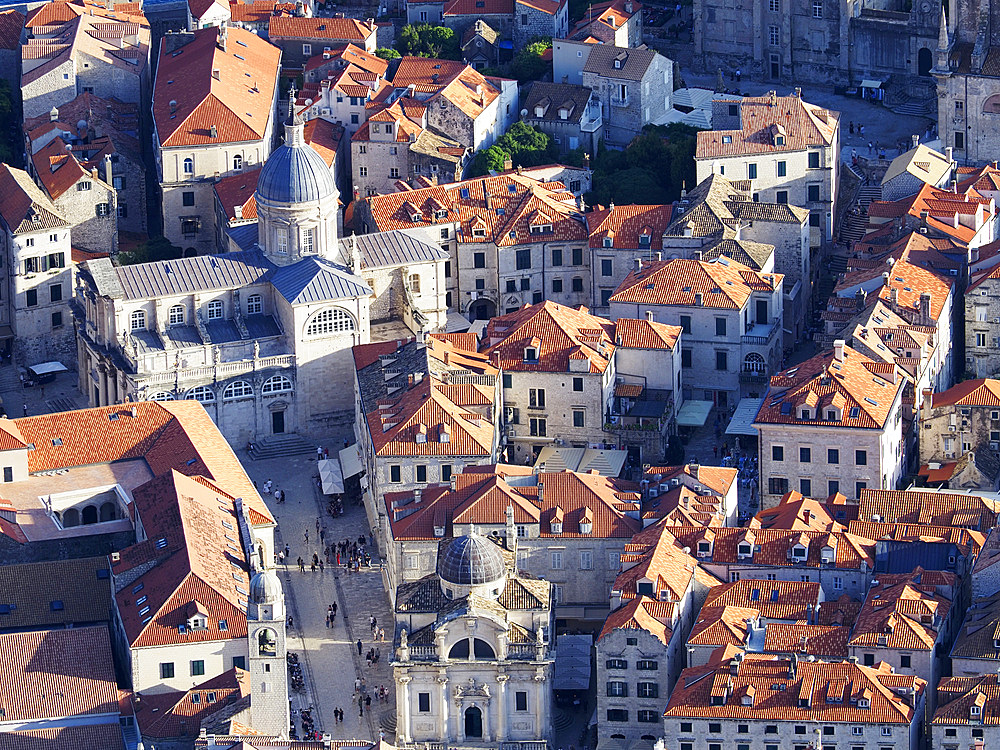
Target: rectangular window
395,473
617,689
577,284
751,171
166,670
508,381
424,703
536,427
606,267
686,727
814,160
557,256
556,560
586,560
959,138
421,473
861,458
858,486
782,168
832,456
578,385
57,320
648,690
617,714
240,662
817,8
686,323
781,196
833,487
577,256
805,455
187,198
648,717
685,358
777,453
904,661
520,700
362,171
8,473
536,398
721,361
31,297
522,259
777,485
720,326
57,260
479,260
445,472
812,193
55,293
197,667
805,487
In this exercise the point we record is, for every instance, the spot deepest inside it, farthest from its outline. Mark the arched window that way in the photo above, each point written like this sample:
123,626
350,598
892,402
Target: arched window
276,384
483,650
175,316
215,310
755,363
460,650
238,162
239,389
108,511
201,393
267,642
255,304
189,166
89,514
992,105
137,321
162,396
70,517
328,321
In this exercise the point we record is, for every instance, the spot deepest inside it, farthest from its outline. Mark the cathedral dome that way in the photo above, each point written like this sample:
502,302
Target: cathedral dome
295,172
265,588
471,561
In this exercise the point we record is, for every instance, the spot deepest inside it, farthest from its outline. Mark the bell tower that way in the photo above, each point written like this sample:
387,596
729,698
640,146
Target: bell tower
268,673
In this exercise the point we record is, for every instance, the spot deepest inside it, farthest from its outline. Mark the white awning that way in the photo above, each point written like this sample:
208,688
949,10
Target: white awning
331,476
607,461
350,461
573,662
48,368
743,417
868,83
693,413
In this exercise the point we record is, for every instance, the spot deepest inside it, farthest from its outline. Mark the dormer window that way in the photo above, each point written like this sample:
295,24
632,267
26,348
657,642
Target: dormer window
586,524
827,555
531,354
556,527
864,703
745,549
415,216
439,531
975,711
541,228
799,552
779,140
644,587
607,242
832,415
727,139
441,213
479,231
704,549
718,700
805,414
197,622
644,240
539,111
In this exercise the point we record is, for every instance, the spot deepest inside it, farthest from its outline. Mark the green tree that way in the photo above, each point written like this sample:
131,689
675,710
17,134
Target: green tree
155,248
387,53
527,146
487,160
528,64
425,40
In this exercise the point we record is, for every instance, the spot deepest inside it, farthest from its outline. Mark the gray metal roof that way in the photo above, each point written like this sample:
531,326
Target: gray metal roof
244,235
102,271
295,172
316,279
471,560
387,249
187,275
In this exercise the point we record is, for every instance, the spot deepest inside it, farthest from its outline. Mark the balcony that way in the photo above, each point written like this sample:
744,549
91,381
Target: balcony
760,334
593,120
753,376
619,101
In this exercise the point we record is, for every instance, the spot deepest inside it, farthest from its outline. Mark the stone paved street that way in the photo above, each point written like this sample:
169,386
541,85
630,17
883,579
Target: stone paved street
329,656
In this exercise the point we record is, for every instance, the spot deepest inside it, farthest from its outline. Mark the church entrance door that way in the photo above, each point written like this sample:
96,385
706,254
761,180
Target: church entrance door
277,422
925,61
473,722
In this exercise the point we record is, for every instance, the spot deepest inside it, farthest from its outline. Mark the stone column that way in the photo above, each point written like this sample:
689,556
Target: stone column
403,702
541,716
501,704
444,728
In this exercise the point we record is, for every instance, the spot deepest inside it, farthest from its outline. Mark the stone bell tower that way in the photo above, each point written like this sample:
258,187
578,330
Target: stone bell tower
268,672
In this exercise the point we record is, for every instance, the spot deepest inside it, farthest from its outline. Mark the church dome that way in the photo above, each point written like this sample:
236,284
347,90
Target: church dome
265,588
295,172
471,561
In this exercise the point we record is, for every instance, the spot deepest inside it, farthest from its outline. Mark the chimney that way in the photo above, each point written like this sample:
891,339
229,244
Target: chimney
217,74
108,176
923,220
694,468
638,265
925,309
53,114
838,350
213,132
417,494
928,400
885,278
507,165
649,315
894,296
696,254
916,140
949,154
798,92
173,106
954,186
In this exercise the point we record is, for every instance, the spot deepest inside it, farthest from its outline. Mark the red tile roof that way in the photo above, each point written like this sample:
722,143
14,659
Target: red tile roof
798,513
906,282
460,84
623,225
23,207
174,714
721,283
655,555
855,388
764,117
325,138
775,600
643,613
956,215
719,479
11,26
238,191
51,674
644,334
237,103
558,333
79,737
335,29
977,392
902,612
929,508
818,640
57,168
777,685
956,695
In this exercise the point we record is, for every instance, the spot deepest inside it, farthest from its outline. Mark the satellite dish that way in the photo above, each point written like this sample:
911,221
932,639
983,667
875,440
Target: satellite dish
309,102
524,113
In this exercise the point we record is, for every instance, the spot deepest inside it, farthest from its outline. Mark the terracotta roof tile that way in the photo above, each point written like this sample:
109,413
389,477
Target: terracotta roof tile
798,513
928,508
624,225
901,612
23,206
828,641
643,613
762,118
655,556
722,283
775,600
238,191
11,26
80,737
956,695
343,30
237,104
175,714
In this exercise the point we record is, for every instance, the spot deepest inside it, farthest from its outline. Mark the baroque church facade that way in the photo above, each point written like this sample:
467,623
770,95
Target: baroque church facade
257,336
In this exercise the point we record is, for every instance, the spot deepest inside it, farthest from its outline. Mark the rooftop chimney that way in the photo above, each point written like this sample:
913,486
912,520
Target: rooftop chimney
649,315
948,154
916,140
638,265
838,350
53,114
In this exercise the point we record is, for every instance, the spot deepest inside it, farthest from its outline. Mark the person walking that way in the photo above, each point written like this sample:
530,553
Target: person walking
361,706
327,620
368,702
302,565
288,551
321,565
360,647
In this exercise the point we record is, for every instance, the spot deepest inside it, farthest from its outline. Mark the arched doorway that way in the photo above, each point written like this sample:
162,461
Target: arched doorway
70,517
925,61
89,514
108,511
190,252
473,722
482,309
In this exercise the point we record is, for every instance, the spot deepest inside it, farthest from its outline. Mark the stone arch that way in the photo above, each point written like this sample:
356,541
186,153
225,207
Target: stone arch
267,642
925,61
190,252
71,517
482,309
755,363
460,649
473,722
482,650
108,511
992,105
329,322
89,515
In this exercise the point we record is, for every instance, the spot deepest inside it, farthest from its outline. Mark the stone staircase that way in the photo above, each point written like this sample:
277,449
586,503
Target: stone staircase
10,380
853,228
281,446
867,194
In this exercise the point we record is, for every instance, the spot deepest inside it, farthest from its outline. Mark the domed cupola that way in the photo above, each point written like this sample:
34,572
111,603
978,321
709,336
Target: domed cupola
266,600
472,564
297,200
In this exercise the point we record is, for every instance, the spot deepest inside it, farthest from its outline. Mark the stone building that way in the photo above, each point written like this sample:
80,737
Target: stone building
570,528
110,127
474,650
530,246
11,31
834,423
38,272
394,146
715,488
968,90
481,46
80,195
819,42
617,22
634,87
788,149
982,324
919,166
559,375
254,335
720,217
730,316
570,114
785,700
517,21
424,410
339,84
654,602
75,48
954,423
967,712
204,13
220,126
301,37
